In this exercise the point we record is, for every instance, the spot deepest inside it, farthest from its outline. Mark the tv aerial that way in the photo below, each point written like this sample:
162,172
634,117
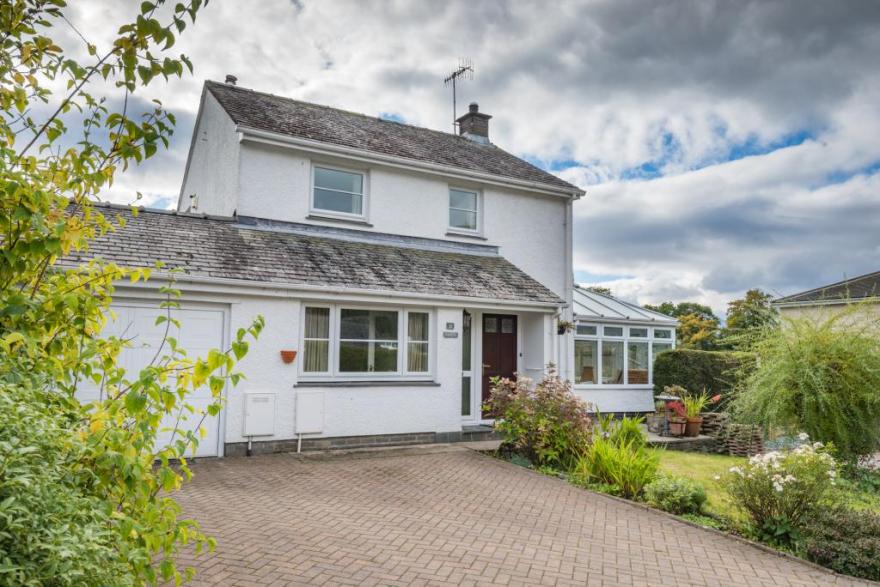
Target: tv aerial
464,71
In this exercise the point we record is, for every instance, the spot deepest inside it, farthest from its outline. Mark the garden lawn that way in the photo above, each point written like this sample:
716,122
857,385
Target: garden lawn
703,468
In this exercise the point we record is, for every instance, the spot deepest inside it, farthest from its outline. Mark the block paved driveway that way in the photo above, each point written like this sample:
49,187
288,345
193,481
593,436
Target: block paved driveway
448,516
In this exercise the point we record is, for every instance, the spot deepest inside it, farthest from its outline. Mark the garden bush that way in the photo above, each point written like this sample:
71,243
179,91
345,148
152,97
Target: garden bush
676,495
779,490
618,460
717,372
626,467
547,423
821,376
844,540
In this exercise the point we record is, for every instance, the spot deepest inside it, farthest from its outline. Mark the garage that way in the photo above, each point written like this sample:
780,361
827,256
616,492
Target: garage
201,329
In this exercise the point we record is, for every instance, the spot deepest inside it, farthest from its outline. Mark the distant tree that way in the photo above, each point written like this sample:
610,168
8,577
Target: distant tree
697,332
683,309
747,318
698,325
605,291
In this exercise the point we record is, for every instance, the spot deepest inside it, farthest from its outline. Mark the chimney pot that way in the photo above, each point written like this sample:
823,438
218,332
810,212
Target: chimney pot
474,125
231,79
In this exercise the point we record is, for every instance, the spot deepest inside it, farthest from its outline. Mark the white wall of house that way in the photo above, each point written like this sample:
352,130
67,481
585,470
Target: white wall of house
348,411
212,171
529,228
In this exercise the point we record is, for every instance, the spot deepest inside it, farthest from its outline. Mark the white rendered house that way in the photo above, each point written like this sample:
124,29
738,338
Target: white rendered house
404,266
615,343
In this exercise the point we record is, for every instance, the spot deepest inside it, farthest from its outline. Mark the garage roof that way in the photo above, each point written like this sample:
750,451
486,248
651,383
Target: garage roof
297,254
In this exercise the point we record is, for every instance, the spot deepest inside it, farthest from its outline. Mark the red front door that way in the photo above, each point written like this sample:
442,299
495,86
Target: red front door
499,349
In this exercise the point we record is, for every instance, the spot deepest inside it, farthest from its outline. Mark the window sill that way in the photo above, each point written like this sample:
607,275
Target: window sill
371,383
472,235
323,218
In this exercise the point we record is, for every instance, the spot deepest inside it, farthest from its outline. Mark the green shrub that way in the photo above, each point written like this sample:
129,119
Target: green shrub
547,424
54,528
844,540
715,371
627,466
822,377
628,431
676,495
779,490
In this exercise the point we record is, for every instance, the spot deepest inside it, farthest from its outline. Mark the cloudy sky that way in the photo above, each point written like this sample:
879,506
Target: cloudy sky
723,145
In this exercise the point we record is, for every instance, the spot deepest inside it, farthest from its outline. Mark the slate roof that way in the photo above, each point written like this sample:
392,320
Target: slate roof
589,305
862,287
266,112
226,248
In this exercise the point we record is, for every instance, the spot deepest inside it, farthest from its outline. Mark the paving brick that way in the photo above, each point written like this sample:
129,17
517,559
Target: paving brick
447,517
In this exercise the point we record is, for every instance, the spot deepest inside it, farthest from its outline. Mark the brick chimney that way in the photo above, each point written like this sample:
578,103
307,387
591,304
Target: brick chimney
474,125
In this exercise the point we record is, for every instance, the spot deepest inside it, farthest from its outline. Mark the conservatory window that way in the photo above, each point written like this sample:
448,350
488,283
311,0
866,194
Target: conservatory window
612,362
616,356
586,361
637,363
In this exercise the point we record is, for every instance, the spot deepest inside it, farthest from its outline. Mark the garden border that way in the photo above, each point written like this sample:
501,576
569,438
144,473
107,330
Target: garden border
737,537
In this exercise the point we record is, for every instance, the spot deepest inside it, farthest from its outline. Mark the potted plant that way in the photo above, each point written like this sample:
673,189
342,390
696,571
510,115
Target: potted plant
563,326
693,406
656,420
677,418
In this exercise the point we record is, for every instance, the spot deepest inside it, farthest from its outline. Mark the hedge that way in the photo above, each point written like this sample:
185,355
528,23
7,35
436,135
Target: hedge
717,371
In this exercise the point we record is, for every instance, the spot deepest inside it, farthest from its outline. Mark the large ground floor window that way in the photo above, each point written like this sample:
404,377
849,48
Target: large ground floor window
358,341
615,355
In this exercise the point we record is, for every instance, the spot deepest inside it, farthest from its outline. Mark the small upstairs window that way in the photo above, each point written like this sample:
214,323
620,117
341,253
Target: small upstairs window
338,192
464,210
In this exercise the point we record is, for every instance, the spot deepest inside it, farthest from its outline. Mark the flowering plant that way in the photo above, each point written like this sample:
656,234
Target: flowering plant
677,408
778,489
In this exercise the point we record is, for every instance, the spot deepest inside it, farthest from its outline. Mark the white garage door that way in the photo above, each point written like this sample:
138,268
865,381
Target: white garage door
200,330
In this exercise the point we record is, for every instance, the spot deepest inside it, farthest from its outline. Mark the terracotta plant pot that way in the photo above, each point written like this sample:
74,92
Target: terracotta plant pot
692,428
677,426
288,356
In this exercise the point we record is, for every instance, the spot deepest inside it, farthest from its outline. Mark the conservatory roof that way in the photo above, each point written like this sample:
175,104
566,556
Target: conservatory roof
590,306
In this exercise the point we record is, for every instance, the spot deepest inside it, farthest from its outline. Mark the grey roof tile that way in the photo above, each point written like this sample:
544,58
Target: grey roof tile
304,120
225,248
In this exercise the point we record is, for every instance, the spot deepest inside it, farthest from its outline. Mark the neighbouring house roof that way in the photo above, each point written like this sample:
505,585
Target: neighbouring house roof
590,306
251,250
285,116
857,288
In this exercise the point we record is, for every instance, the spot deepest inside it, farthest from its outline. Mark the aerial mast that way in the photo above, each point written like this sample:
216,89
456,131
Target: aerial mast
465,71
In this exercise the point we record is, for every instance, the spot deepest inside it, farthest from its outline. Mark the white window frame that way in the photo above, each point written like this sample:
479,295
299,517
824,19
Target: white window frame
365,198
401,373
478,231
626,339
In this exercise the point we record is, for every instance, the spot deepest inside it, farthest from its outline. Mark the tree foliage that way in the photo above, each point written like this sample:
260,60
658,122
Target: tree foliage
747,318
84,489
820,376
698,325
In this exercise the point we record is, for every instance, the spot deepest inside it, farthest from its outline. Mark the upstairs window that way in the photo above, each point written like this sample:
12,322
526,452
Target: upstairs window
463,210
338,192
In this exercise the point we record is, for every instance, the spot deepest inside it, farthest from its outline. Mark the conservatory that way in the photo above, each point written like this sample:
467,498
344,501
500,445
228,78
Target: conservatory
615,343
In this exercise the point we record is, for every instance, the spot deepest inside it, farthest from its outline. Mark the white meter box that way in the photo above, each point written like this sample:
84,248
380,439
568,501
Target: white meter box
259,414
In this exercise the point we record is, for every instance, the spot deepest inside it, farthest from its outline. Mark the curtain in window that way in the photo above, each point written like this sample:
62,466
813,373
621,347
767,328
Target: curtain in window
612,362
417,343
585,361
316,342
